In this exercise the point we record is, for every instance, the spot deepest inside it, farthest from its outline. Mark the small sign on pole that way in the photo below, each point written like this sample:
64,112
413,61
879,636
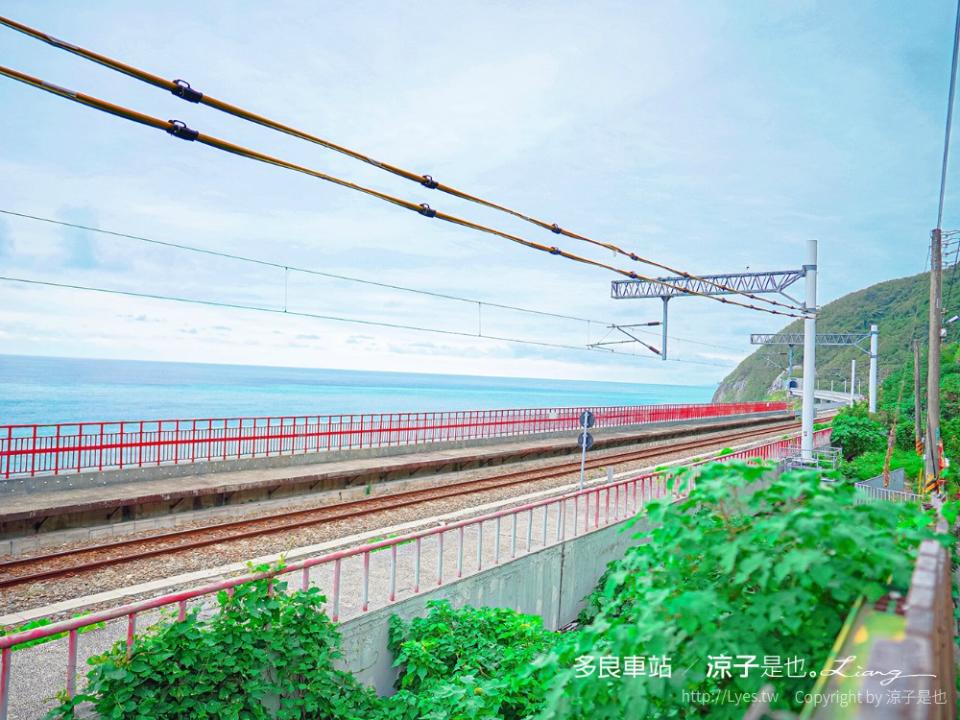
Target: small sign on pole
585,440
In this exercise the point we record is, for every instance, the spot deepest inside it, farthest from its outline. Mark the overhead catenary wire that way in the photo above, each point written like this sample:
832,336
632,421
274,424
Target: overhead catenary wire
319,316
182,89
338,276
180,130
949,122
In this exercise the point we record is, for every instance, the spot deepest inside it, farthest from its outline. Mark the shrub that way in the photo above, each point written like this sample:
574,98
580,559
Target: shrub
950,396
870,465
857,433
728,572
263,655
905,435
467,663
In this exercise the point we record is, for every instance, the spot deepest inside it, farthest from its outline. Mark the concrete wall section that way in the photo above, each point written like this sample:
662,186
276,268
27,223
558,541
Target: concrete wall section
551,583
586,558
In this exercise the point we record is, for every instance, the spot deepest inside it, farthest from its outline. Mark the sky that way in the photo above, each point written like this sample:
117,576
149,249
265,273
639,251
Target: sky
711,136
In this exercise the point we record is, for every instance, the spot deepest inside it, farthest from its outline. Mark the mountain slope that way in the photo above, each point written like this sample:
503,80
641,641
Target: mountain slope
899,307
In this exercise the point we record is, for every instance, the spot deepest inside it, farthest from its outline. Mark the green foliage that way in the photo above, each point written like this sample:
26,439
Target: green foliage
467,663
950,396
725,451
728,571
950,432
857,433
905,439
870,464
263,655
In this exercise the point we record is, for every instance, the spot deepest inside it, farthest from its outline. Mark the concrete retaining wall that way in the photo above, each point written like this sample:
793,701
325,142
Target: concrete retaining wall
551,583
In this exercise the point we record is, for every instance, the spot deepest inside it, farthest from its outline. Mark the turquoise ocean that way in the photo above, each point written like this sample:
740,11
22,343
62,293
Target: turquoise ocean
49,390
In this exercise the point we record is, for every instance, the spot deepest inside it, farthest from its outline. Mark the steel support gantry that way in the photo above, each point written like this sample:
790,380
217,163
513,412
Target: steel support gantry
856,340
772,282
776,281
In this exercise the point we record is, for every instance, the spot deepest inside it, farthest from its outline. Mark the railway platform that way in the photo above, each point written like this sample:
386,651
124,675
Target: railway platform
34,506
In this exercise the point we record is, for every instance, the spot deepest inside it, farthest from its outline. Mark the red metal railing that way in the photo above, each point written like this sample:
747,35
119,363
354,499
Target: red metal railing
56,449
554,518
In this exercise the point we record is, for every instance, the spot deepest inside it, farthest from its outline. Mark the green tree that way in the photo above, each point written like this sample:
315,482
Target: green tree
856,432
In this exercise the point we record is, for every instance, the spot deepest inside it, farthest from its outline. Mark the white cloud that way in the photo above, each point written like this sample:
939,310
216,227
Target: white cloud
691,133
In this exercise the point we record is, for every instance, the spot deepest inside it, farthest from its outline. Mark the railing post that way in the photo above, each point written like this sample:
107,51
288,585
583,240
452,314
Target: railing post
131,632
336,590
71,663
440,558
56,454
416,567
6,655
33,452
366,581
393,573
480,545
9,461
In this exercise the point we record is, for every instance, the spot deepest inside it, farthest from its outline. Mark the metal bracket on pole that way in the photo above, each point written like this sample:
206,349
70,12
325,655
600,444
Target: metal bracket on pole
633,338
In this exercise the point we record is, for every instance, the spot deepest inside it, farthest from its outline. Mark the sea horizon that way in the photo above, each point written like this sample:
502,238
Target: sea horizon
51,389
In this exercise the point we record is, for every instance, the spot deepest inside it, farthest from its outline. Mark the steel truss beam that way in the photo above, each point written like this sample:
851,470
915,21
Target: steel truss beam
755,282
832,339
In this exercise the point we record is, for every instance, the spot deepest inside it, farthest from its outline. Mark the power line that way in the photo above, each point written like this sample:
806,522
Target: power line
178,129
337,276
318,316
182,89
949,122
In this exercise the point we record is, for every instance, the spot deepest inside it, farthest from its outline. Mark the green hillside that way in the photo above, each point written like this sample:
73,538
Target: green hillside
899,307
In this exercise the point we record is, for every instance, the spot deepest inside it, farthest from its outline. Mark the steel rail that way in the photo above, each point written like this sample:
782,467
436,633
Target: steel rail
342,511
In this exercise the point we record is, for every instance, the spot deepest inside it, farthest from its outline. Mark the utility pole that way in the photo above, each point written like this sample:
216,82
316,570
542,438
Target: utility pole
917,415
932,463
874,343
809,352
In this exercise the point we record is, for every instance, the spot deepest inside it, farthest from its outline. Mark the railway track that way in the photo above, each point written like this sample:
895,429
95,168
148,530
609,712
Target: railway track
65,563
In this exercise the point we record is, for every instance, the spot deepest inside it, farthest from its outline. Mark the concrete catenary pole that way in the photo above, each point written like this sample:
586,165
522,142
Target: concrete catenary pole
809,352
874,345
932,464
663,341
853,381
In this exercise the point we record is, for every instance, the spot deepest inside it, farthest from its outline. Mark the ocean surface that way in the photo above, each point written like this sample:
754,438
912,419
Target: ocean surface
49,390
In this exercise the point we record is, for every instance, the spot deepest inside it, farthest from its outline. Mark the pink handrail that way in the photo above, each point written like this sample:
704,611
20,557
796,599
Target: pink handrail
61,448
